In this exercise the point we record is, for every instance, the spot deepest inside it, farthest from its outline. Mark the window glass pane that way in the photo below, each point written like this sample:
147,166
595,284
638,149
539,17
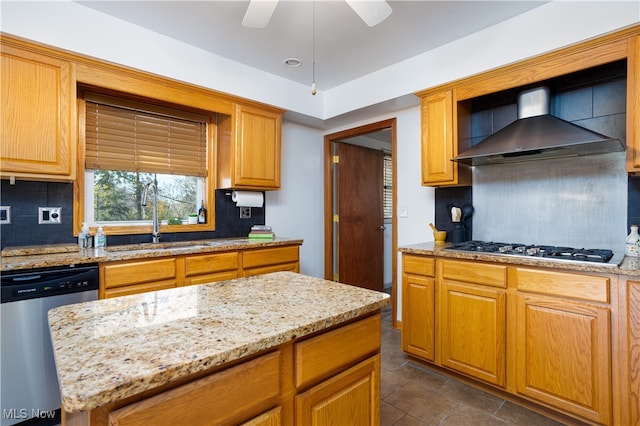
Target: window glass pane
118,194
388,186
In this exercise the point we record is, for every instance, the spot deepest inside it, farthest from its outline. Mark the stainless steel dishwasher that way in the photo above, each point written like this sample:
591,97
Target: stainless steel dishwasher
30,391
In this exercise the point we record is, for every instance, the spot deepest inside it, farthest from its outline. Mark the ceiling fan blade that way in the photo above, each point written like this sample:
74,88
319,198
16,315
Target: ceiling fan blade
259,13
372,12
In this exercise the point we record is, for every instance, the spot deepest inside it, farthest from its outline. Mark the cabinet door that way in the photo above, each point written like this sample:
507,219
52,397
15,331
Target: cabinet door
262,261
473,330
258,148
633,105
222,398
563,355
205,268
418,316
350,398
37,110
123,278
439,142
633,350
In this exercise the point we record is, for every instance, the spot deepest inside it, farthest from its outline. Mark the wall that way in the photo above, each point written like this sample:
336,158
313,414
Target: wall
25,197
297,209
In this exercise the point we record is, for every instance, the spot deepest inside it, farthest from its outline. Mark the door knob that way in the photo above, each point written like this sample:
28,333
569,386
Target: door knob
382,228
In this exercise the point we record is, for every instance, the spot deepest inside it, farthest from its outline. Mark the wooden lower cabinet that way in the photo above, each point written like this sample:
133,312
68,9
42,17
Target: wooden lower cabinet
563,355
263,261
419,310
331,378
233,394
209,267
472,319
350,398
137,276
544,335
630,353
473,331
127,277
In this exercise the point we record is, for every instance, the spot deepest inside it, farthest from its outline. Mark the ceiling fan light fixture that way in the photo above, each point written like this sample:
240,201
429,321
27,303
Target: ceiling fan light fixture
372,12
259,13
292,62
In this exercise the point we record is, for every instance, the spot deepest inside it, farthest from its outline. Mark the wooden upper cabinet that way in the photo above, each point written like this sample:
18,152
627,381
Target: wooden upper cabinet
38,116
249,144
439,141
633,105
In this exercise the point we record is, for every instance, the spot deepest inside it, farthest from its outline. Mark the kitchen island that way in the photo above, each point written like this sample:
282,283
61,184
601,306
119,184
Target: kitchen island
253,348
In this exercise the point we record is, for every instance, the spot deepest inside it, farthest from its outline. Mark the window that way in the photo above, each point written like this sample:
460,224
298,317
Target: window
387,199
130,143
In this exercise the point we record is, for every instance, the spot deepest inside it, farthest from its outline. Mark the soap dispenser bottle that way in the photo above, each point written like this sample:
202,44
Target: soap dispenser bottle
83,236
101,238
632,243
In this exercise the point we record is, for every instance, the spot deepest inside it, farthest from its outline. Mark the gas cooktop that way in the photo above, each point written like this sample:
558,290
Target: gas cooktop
570,254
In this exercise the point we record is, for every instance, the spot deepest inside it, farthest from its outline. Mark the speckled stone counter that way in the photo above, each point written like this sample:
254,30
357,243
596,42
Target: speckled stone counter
622,265
14,258
111,349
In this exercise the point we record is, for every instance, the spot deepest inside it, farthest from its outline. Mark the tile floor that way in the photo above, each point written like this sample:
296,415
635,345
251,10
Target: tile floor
413,395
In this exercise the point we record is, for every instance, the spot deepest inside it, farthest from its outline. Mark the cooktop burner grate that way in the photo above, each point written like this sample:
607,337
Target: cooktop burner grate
560,253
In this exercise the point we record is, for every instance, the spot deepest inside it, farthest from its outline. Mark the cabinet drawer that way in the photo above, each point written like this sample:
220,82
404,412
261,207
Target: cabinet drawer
139,272
210,263
475,272
419,265
585,287
219,397
270,256
319,357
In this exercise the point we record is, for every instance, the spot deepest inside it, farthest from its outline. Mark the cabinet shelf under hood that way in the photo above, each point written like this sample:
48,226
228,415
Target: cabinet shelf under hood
537,135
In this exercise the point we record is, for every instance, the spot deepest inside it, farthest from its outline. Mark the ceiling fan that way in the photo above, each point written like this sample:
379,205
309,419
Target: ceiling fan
372,12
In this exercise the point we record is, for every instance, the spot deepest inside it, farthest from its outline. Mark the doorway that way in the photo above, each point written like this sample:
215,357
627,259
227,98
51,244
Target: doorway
348,236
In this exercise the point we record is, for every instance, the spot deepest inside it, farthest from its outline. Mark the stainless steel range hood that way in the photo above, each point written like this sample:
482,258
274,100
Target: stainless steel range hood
536,135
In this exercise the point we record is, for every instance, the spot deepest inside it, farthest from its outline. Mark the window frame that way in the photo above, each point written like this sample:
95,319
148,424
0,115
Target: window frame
81,184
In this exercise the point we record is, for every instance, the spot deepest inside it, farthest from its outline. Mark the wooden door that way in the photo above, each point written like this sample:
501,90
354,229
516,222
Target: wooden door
360,229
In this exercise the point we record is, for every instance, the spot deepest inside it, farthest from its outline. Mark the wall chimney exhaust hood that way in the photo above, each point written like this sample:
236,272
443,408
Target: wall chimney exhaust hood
536,135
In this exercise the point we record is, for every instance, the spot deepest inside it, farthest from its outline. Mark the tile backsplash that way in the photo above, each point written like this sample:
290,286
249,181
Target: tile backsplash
26,196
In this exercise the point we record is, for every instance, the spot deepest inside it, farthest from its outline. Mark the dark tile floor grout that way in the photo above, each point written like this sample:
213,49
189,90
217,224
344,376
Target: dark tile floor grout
414,395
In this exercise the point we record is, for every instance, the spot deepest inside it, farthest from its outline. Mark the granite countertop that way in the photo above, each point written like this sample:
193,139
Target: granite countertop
627,266
110,349
28,257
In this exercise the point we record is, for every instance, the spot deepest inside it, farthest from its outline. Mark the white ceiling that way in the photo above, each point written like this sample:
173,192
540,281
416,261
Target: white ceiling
345,48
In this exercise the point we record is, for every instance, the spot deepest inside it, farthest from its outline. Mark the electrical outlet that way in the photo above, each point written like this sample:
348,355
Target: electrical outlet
245,212
5,215
49,215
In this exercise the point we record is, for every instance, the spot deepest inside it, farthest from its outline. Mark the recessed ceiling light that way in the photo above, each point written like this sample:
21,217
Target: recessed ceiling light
292,62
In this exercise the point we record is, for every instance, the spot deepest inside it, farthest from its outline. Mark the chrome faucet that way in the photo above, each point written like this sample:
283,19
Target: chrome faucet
155,235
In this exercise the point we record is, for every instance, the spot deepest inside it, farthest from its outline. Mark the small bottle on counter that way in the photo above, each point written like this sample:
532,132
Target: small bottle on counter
632,243
83,236
202,214
101,238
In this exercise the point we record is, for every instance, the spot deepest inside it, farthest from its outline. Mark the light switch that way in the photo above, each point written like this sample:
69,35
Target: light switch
403,211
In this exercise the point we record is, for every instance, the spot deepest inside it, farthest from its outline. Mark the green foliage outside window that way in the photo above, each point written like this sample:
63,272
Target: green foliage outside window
118,195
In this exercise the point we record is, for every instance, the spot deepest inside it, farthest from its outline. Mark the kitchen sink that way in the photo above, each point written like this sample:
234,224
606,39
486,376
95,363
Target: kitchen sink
167,245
